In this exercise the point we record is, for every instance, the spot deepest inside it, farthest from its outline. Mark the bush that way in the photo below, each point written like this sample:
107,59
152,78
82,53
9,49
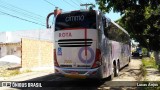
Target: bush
149,63
144,51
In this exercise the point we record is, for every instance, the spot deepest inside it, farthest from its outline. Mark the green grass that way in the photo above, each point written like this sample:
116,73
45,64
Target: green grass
149,63
8,73
26,71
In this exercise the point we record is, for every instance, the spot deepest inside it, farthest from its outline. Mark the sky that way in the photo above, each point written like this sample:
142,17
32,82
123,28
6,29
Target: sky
31,14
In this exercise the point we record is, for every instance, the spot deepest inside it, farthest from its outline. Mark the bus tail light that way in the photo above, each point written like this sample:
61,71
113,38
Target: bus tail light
97,61
55,59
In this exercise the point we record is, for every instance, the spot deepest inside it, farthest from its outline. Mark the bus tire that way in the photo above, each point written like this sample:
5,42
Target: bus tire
127,65
112,75
117,69
128,62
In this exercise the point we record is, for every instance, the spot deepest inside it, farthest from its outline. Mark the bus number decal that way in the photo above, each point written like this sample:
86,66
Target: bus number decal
84,60
67,61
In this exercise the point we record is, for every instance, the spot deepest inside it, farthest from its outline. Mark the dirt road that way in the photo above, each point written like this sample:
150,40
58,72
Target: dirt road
130,73
126,76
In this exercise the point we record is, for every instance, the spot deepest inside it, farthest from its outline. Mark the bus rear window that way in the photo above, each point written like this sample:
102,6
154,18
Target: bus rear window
75,19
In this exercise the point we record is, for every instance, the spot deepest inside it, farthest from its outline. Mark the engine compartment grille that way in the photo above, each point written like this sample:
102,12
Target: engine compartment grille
75,42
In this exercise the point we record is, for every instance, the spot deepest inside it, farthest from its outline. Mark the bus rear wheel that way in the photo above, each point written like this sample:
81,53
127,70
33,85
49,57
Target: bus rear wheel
113,73
129,60
117,70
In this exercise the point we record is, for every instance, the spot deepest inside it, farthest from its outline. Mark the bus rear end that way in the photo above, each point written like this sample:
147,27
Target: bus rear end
76,53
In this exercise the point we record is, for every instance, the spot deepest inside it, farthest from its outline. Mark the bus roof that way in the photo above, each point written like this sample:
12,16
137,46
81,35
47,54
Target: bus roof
81,10
86,10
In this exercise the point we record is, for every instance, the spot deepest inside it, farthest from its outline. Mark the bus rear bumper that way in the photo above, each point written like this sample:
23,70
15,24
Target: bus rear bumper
79,73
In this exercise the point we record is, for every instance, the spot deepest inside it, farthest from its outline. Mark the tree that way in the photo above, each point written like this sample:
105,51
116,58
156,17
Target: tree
141,18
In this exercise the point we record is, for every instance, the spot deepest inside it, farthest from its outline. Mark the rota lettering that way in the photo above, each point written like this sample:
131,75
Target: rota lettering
66,34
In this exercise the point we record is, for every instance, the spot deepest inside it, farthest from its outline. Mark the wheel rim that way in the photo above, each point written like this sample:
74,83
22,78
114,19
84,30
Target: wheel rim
117,70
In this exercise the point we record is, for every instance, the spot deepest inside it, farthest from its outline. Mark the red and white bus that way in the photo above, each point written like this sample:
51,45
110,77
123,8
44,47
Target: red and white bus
89,45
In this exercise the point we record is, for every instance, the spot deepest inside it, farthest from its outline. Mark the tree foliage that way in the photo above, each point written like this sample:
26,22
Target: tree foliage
141,18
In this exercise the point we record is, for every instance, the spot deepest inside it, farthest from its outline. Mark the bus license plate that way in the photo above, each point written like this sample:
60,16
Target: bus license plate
75,76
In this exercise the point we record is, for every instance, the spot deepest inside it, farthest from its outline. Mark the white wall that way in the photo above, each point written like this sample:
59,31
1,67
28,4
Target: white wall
3,51
10,50
15,36
2,37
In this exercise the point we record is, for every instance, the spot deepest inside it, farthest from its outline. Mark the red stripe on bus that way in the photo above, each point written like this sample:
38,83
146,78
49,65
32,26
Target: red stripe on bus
85,36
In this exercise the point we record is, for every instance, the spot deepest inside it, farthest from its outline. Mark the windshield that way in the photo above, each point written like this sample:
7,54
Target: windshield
76,19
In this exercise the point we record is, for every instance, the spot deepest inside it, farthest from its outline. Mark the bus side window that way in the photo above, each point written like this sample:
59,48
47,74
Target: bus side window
106,31
105,26
104,22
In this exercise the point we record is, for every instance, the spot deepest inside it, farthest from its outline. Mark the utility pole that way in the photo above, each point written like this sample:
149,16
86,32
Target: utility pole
86,5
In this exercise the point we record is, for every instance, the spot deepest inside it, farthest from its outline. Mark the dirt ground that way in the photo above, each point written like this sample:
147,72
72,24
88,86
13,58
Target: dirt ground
152,75
131,72
126,76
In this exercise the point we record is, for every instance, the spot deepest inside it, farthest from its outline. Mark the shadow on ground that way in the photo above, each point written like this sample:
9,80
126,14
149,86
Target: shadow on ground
135,57
52,82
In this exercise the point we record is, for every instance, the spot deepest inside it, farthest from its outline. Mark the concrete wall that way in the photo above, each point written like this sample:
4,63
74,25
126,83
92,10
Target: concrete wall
37,54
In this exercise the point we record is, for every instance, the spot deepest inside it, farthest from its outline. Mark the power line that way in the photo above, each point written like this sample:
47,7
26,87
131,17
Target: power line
28,16
69,4
50,3
21,18
86,1
89,1
78,1
10,5
74,2
22,12
86,5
